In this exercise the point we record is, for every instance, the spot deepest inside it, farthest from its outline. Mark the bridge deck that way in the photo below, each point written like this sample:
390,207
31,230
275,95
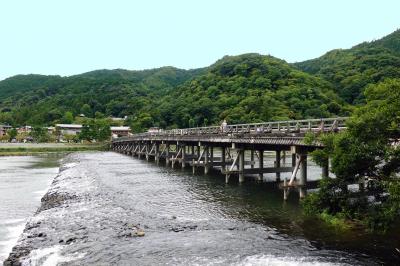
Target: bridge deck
282,133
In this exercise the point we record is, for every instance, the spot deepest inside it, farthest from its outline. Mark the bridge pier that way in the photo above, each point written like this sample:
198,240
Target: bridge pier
241,165
140,151
147,151
260,164
183,155
252,158
157,153
206,159
278,165
211,157
293,159
223,159
303,175
167,154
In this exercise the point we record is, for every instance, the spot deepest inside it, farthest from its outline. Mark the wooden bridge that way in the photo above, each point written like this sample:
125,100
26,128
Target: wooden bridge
225,148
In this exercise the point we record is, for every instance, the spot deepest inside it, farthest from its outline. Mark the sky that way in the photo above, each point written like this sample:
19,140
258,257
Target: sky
67,37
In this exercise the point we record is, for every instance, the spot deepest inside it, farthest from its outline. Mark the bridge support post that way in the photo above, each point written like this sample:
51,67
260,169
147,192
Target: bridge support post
139,151
206,158
167,154
303,176
278,165
157,153
147,151
241,166
252,158
260,164
293,159
223,160
211,157
183,156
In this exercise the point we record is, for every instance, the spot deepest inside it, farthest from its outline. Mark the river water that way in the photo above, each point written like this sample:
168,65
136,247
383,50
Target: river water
23,182
101,201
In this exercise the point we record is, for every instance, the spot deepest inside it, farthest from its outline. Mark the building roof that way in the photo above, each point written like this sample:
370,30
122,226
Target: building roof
75,126
119,118
120,128
5,126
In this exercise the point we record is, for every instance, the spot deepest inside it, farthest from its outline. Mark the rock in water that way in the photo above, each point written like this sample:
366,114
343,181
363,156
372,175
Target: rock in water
139,233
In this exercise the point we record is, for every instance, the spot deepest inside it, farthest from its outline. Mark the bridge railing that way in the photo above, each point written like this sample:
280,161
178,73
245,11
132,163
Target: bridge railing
277,127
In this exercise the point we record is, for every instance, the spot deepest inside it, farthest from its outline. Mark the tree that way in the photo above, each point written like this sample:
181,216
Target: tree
68,118
367,150
96,130
12,133
86,110
103,130
40,134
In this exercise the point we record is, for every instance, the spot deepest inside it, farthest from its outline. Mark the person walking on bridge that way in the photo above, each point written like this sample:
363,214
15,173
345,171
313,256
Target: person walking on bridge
224,126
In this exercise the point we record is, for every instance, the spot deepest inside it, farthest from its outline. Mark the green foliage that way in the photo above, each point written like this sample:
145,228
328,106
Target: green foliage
241,89
68,118
46,100
40,134
12,133
246,88
352,70
249,88
96,130
365,150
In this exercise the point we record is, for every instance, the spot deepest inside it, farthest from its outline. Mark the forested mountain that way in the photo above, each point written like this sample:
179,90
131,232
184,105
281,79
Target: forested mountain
101,92
249,88
351,70
245,88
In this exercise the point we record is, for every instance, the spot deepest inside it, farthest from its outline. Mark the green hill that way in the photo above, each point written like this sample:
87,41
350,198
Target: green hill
249,88
244,88
352,70
101,92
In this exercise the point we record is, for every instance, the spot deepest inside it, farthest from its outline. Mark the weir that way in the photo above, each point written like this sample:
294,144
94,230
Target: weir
197,148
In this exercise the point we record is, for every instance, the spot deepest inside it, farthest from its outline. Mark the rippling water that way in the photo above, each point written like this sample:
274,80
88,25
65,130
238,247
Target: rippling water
100,201
23,181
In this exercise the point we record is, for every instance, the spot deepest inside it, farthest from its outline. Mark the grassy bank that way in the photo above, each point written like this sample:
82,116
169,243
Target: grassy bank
17,149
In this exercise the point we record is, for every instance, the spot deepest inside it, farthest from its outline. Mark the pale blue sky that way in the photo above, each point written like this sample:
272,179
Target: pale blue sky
68,37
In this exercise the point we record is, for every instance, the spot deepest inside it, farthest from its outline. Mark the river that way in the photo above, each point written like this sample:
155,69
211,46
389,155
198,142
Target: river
23,182
100,204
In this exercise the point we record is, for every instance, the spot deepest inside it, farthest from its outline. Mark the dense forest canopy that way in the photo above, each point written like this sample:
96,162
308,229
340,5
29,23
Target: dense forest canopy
249,88
351,70
245,88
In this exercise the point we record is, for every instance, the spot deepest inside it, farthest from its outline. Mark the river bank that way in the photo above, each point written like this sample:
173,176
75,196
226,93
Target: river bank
100,200
20,149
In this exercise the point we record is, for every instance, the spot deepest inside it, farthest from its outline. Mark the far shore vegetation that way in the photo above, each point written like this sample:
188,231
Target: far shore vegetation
31,149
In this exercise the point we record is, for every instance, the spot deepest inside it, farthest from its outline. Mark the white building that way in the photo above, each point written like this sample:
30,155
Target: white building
117,132
69,129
